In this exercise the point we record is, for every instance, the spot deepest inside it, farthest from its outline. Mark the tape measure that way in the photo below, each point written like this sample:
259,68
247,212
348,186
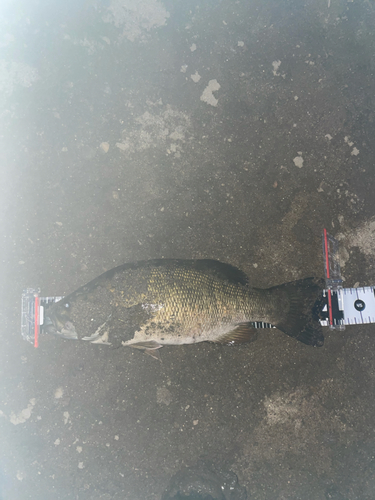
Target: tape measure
345,306
32,313
350,306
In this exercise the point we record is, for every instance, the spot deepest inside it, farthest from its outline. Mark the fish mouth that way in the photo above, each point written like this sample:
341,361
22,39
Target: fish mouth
65,330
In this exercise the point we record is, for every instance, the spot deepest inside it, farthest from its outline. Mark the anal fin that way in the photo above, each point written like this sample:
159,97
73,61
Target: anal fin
150,347
244,332
154,353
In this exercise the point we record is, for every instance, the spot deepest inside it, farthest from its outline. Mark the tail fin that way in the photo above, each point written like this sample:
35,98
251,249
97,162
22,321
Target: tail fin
304,302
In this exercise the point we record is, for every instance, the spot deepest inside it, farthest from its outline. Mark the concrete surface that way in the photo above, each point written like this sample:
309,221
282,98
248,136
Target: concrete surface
233,130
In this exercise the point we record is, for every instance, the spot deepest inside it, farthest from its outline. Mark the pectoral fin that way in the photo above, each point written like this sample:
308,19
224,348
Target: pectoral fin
243,333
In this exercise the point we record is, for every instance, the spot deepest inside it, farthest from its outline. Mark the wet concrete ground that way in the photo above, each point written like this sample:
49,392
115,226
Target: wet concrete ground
226,130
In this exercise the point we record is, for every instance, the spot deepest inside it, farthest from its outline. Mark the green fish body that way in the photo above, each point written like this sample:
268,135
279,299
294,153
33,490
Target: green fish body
174,302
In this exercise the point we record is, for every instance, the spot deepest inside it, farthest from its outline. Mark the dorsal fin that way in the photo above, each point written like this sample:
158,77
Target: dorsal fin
221,270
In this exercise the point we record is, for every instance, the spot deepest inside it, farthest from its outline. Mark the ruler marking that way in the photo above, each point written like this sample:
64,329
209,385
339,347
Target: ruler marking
347,298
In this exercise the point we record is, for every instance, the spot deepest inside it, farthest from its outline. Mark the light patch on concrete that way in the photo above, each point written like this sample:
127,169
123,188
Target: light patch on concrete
240,43
23,415
355,152
208,96
196,77
280,409
90,45
165,127
363,238
193,47
276,66
6,39
136,18
104,146
295,422
16,74
124,146
163,395
59,393
298,161
66,417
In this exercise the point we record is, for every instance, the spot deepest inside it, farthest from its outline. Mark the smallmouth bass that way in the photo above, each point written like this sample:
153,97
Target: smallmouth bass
174,302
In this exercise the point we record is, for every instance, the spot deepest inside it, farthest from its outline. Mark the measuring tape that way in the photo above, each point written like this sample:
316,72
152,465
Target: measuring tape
32,313
343,306
350,306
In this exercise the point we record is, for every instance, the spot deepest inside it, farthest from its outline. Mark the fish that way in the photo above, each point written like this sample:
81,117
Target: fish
153,303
